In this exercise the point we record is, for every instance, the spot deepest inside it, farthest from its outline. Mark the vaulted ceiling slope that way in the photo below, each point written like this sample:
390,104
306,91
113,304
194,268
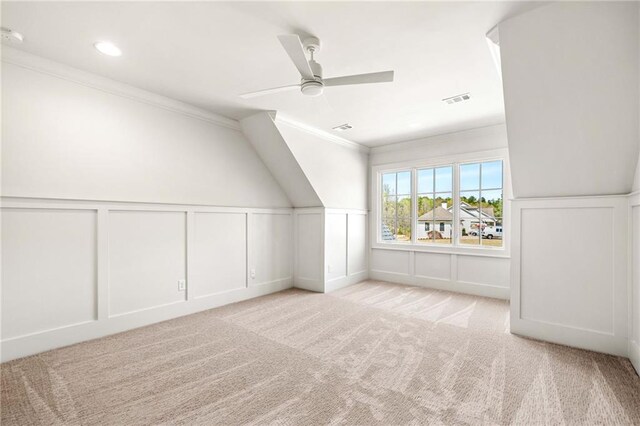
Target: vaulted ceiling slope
571,88
312,169
208,53
263,134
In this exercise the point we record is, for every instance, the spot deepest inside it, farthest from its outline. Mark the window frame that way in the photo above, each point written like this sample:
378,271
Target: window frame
454,161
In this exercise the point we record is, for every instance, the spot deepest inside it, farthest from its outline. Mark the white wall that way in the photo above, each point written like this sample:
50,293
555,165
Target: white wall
571,85
569,271
267,140
68,134
571,75
634,203
309,249
75,270
331,248
346,250
337,171
634,305
484,273
465,142
111,196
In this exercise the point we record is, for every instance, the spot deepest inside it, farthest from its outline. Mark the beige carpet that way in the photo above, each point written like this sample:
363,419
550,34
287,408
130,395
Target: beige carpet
371,353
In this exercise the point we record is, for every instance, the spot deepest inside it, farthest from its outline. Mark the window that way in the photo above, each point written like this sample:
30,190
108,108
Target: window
457,204
396,206
480,209
435,205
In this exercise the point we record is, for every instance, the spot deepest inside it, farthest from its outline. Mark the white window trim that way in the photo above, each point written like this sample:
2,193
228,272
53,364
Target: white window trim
455,161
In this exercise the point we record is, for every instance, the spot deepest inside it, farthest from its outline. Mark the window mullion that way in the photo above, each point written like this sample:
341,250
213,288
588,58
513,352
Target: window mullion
414,206
480,207
456,205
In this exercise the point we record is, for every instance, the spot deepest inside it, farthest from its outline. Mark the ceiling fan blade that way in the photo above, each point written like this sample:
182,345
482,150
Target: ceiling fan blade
269,91
293,46
374,77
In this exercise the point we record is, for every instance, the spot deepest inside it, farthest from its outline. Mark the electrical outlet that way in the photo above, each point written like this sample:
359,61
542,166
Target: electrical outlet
252,273
182,285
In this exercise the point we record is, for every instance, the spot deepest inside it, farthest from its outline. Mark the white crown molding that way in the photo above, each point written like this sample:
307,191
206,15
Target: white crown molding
498,130
39,64
279,118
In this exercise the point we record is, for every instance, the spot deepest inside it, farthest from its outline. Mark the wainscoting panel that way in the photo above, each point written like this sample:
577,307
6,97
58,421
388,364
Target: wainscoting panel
357,244
393,262
48,269
79,270
634,261
309,251
219,258
271,236
481,275
586,234
489,271
345,248
147,257
569,271
433,266
336,245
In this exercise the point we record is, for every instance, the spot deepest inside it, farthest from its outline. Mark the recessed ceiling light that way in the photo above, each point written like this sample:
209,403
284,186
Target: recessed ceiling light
107,48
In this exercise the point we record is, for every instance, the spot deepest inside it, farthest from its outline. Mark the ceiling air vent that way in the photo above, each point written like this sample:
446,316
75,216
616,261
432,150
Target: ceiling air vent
343,127
457,98
11,36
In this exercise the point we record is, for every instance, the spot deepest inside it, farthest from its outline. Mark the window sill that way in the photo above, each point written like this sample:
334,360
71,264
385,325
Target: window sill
458,250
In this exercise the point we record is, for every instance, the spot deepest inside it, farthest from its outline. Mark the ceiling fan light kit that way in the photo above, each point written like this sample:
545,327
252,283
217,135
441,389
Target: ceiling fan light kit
311,80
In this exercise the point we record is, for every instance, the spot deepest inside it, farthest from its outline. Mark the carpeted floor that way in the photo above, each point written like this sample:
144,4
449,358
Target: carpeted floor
370,353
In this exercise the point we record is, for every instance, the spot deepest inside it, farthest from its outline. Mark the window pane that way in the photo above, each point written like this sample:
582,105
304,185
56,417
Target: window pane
404,228
469,218
396,206
389,183
425,204
425,218
404,183
444,179
469,176
387,228
425,181
443,220
404,218
491,203
492,175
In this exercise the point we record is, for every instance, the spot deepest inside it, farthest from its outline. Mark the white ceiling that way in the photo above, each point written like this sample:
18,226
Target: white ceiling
207,53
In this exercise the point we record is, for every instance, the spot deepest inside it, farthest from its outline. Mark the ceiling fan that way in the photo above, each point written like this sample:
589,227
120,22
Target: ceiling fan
312,83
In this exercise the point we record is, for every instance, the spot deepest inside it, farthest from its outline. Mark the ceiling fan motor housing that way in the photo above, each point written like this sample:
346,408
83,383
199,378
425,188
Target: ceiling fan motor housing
312,87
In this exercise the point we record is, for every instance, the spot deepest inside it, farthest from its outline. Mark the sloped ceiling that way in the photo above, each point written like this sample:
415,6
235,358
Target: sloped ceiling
263,134
570,75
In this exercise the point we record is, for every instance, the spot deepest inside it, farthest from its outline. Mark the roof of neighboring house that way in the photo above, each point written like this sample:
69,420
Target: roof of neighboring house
441,214
473,210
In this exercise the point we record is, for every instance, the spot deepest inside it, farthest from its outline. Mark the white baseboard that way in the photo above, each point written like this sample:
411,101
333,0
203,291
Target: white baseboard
345,281
475,289
308,284
22,346
570,336
634,355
